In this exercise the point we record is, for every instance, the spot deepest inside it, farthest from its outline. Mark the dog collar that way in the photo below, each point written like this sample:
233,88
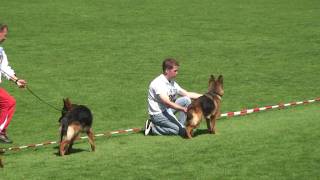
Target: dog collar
211,95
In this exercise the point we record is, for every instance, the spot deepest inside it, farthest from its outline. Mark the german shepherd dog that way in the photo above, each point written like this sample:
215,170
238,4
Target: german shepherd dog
74,119
207,106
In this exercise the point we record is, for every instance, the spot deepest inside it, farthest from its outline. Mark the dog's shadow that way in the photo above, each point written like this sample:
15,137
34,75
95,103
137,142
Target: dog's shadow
72,151
198,132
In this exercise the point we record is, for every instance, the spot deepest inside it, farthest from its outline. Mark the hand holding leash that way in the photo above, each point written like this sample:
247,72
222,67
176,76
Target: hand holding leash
21,83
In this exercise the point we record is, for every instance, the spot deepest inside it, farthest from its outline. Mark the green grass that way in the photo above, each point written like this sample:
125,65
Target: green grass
104,53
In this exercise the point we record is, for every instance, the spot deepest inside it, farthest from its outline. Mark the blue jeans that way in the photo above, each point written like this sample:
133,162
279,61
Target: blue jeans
166,123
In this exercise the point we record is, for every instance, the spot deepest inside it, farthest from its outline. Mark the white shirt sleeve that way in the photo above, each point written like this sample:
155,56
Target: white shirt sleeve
6,70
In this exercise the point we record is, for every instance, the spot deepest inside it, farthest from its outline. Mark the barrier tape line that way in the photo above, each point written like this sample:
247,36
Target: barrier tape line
279,106
136,130
112,133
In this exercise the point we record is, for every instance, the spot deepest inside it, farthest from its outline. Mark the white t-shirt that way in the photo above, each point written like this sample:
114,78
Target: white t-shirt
5,69
161,85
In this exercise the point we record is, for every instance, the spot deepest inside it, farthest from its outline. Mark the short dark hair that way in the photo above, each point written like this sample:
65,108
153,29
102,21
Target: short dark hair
169,63
3,26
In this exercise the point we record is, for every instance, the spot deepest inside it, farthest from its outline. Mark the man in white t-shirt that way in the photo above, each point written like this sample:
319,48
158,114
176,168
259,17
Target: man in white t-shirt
165,99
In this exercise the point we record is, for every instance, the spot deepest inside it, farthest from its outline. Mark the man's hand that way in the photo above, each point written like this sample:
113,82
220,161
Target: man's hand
185,109
21,83
166,101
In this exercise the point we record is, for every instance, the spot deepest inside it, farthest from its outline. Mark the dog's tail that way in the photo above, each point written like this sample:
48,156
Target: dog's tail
64,128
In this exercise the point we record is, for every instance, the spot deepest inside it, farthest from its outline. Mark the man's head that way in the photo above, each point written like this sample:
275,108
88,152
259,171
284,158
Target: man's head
170,68
3,32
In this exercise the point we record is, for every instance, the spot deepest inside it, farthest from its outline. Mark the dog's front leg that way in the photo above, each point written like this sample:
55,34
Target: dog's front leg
64,147
211,123
189,130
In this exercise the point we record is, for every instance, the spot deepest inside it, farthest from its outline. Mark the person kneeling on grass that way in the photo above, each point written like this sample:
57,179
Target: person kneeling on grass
164,103
7,102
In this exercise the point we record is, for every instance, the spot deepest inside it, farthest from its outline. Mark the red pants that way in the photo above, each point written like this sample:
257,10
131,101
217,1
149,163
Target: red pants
7,108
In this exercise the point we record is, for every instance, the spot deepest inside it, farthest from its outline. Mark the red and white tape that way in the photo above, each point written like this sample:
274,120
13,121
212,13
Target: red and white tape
279,106
136,130
17,148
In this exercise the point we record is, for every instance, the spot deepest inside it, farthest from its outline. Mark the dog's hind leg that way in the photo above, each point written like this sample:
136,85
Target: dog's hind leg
76,135
91,139
67,140
193,121
63,147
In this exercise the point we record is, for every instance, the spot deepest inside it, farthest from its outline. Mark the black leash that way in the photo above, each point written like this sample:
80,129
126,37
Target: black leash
43,101
34,94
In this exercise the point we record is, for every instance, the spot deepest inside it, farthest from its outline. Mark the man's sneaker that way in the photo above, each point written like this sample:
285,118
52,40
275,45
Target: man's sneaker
4,139
147,127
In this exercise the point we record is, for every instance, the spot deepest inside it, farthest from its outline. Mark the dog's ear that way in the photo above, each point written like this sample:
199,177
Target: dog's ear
64,102
220,79
211,78
67,103
211,83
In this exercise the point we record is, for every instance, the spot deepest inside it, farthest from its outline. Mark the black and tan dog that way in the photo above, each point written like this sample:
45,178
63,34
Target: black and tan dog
207,106
74,119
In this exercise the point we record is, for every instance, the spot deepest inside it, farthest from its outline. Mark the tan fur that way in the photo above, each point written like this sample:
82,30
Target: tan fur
73,132
196,112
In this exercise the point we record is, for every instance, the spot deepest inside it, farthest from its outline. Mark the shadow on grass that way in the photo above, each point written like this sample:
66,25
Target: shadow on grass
200,132
196,132
72,151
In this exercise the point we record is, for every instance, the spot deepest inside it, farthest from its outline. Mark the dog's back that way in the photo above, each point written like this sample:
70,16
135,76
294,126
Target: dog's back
83,114
207,105
202,106
79,114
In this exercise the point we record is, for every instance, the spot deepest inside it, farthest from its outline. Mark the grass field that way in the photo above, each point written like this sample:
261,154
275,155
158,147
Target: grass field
104,53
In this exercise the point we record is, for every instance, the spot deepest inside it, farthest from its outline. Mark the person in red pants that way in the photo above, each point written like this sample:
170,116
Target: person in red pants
7,102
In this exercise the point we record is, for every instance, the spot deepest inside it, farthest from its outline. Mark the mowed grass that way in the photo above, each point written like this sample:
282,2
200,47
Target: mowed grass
104,53
271,145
